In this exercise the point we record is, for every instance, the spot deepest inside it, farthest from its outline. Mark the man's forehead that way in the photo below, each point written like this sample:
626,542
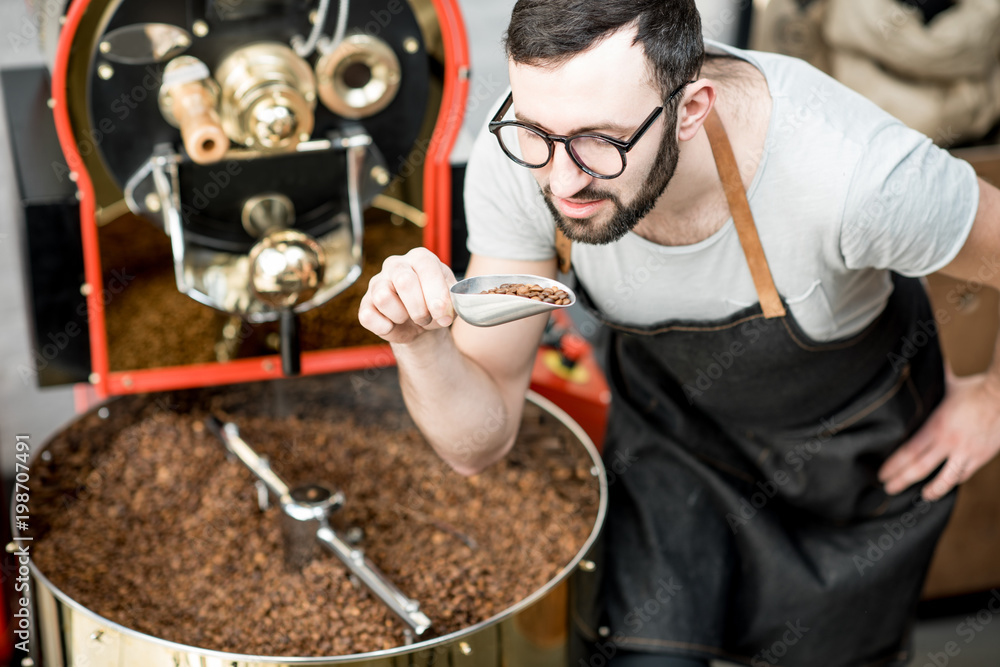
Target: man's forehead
608,80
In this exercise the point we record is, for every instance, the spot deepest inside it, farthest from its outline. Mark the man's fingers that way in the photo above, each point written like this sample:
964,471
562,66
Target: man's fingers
917,470
385,299
407,286
410,295
436,280
910,452
955,471
374,321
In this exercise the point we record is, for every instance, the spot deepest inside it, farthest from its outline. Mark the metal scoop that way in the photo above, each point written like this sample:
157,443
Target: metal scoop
487,310
306,511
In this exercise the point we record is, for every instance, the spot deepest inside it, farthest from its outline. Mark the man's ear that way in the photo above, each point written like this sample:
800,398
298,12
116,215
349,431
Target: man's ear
698,100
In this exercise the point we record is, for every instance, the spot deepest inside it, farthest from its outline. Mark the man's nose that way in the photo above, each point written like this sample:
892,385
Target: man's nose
566,178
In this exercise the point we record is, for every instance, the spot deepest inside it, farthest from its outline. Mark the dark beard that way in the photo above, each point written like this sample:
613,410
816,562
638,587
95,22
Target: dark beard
625,218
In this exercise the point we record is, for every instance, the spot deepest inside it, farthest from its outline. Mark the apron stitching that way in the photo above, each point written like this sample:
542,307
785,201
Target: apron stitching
850,342
678,327
667,643
903,378
591,635
725,467
898,655
641,641
916,396
880,510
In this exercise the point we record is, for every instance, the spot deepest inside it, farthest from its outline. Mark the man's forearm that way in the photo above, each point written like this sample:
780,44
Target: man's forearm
993,372
455,403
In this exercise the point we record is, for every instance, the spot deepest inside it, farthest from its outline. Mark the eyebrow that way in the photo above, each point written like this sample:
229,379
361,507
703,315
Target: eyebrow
605,127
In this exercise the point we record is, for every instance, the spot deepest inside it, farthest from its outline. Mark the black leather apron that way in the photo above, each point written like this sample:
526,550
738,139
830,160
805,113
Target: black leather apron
746,520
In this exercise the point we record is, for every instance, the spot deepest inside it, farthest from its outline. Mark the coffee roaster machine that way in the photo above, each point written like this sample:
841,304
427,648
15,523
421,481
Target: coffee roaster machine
234,150
253,134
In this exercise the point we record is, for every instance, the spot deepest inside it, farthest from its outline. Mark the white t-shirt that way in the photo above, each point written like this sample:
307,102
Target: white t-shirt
844,192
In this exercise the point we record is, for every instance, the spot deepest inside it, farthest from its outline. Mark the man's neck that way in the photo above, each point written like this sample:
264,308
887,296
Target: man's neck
683,214
693,207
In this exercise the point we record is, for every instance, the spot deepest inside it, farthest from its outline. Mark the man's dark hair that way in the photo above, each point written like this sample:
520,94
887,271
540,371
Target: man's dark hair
550,32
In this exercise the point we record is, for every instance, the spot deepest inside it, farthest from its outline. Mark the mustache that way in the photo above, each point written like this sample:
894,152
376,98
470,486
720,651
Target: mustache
587,194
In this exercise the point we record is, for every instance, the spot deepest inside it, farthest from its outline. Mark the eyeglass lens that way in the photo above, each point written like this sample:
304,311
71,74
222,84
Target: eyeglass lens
532,149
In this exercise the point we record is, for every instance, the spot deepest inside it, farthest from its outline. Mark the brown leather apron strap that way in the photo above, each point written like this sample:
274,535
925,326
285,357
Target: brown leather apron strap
564,251
729,172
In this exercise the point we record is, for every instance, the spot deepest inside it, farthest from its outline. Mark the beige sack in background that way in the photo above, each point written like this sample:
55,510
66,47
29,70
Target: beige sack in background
963,41
941,78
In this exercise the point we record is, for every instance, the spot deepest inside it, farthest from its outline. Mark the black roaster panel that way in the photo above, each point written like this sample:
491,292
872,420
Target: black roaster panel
126,117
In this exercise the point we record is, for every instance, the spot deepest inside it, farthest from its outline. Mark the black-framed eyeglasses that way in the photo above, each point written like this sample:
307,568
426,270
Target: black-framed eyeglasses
596,154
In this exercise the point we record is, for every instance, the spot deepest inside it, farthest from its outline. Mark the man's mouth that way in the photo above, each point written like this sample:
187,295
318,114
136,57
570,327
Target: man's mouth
578,208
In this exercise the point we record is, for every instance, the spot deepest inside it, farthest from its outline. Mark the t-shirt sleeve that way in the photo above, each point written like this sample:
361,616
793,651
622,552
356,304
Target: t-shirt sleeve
504,210
910,205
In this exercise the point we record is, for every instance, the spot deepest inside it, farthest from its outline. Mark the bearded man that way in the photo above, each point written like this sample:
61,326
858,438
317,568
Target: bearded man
752,234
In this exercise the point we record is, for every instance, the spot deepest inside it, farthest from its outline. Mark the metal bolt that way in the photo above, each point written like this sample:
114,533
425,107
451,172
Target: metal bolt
103,413
304,136
127,381
380,175
73,176
11,547
268,365
587,565
594,472
50,103
105,71
411,45
46,455
105,47
313,15
465,648
27,662
604,631
96,635
152,202
354,535
94,378
86,289
199,28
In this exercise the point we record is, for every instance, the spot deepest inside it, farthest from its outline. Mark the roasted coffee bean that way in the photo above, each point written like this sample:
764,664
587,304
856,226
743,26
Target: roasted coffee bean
551,295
